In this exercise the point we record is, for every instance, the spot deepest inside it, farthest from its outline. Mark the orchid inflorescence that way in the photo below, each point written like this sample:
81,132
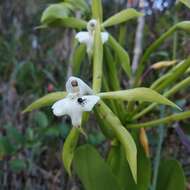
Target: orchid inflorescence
111,116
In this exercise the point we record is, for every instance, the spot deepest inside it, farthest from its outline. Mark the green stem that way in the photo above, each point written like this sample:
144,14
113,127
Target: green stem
97,60
182,85
168,119
97,11
161,133
175,39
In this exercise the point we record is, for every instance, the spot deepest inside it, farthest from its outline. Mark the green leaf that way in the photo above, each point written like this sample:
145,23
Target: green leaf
138,94
69,148
185,2
55,11
122,55
6,147
171,76
182,85
111,70
172,118
14,135
122,135
70,22
104,126
97,59
120,167
184,25
92,170
171,176
17,165
78,57
121,17
41,119
45,101
97,12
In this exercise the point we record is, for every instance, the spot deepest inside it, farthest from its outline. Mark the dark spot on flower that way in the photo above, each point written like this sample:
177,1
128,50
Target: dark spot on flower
74,83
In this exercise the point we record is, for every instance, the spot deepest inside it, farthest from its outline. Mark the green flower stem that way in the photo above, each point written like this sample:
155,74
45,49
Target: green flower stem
97,60
168,119
161,133
97,11
175,39
182,85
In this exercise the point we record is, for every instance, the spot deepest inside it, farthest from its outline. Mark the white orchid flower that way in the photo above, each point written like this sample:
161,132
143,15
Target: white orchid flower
88,37
76,102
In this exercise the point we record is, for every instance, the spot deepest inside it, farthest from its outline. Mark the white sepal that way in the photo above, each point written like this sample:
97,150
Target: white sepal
82,37
104,36
83,88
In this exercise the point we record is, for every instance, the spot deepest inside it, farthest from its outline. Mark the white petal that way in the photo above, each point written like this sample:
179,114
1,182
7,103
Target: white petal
61,107
104,36
90,102
83,88
71,107
76,119
82,37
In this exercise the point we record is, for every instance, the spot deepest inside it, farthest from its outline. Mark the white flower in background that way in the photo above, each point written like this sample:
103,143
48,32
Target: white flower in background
88,37
76,102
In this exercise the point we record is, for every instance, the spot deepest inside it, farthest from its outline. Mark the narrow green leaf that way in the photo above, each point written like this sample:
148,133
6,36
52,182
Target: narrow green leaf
78,57
121,17
180,86
122,135
104,126
94,173
138,94
97,60
54,12
106,88
185,2
171,176
111,70
111,77
45,101
184,25
168,119
171,76
122,55
69,148
97,11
